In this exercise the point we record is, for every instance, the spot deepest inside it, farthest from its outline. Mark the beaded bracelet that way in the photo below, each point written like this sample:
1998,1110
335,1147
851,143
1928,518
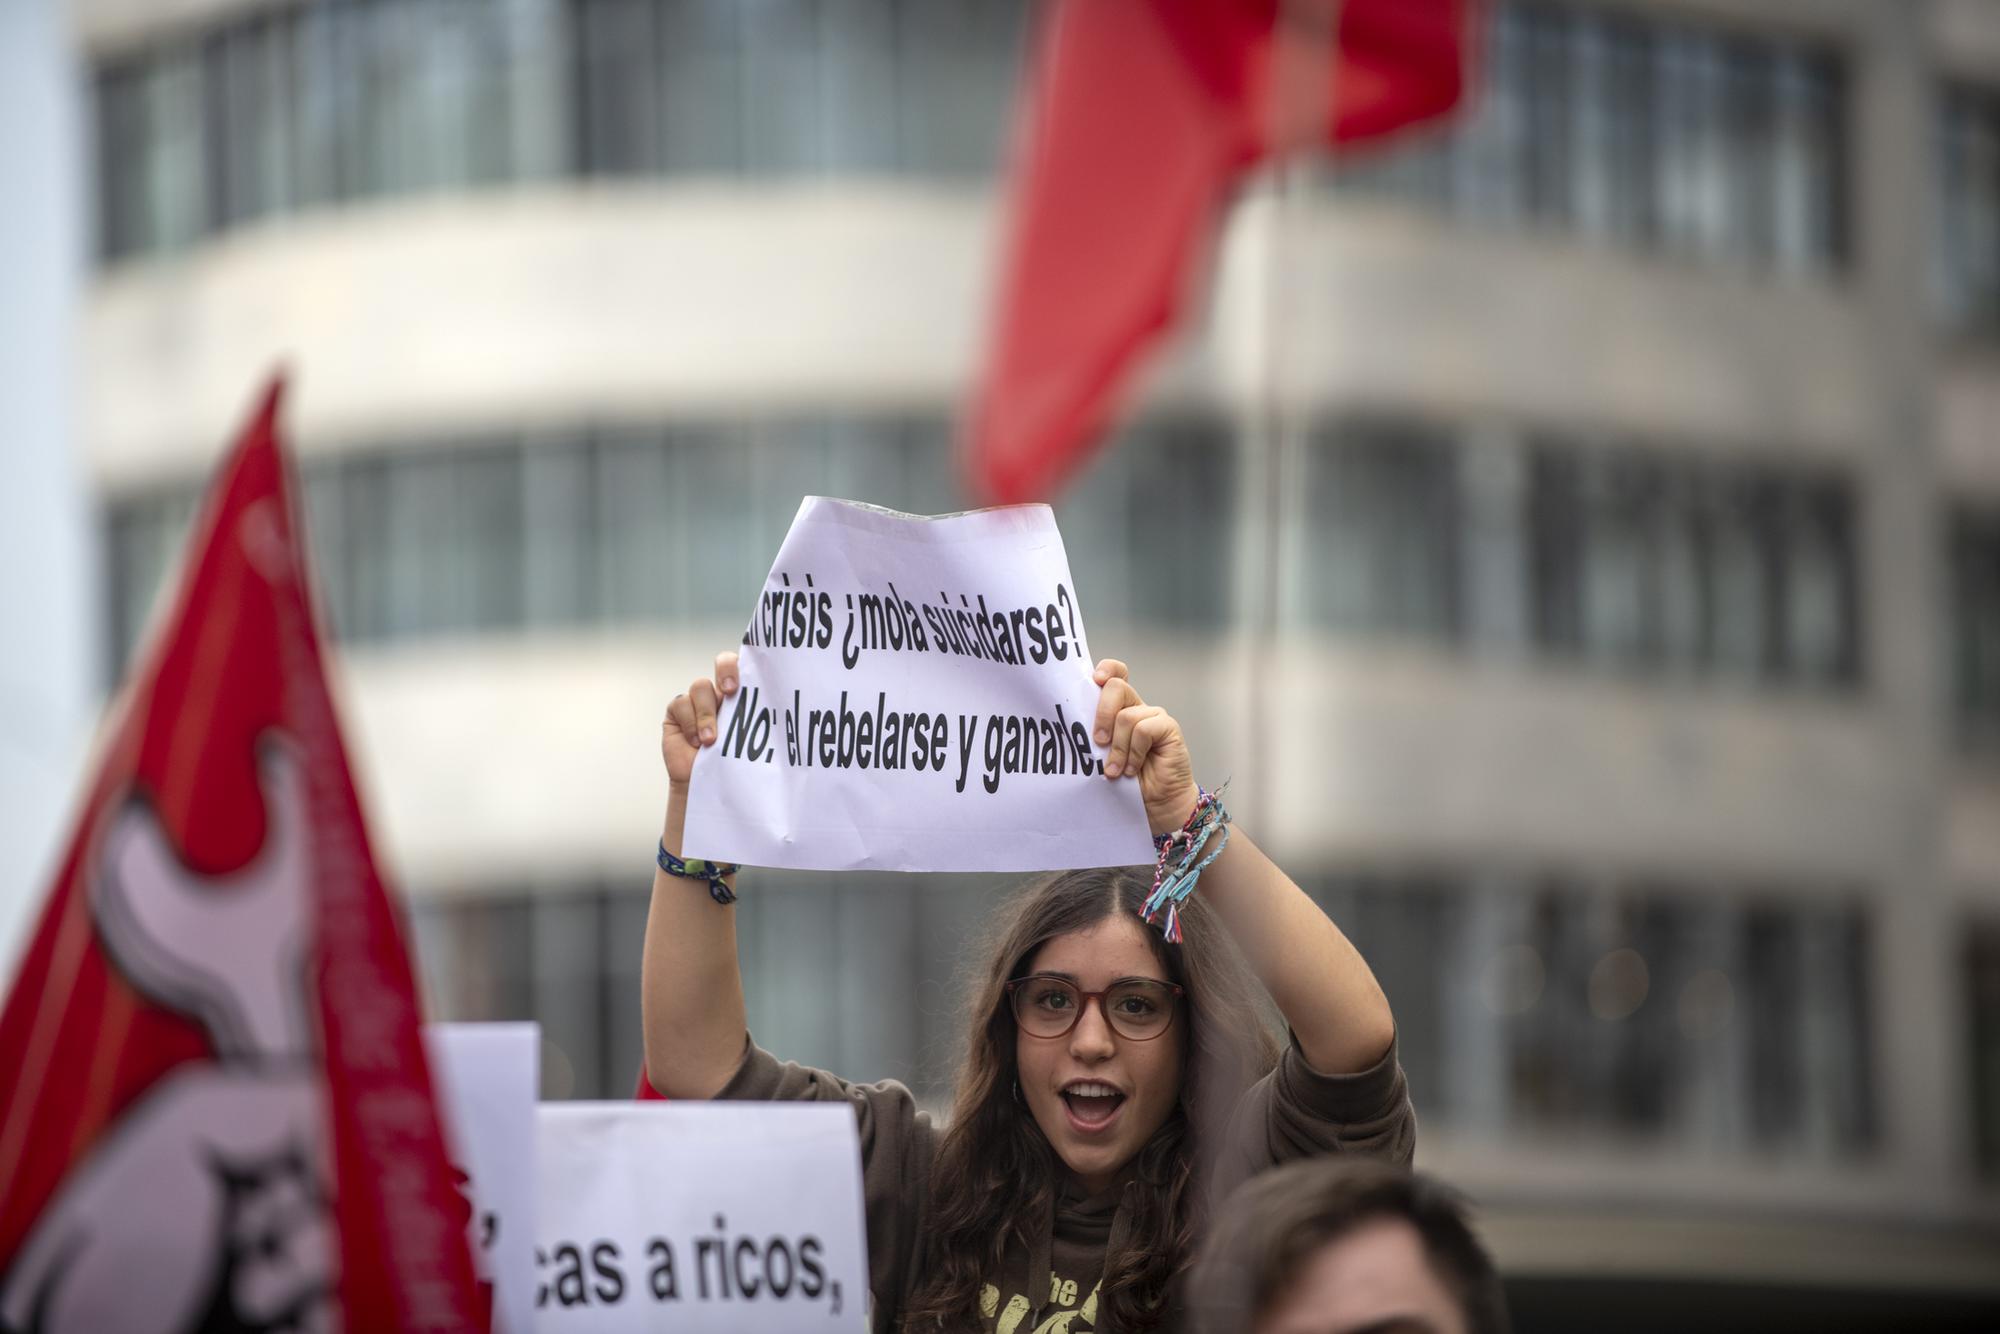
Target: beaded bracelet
1175,873
694,868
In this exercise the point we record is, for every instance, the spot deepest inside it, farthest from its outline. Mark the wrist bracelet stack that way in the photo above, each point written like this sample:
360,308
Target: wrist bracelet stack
694,868
1179,862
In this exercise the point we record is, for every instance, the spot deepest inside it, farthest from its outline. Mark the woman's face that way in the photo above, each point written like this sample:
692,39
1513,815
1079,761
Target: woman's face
1096,1095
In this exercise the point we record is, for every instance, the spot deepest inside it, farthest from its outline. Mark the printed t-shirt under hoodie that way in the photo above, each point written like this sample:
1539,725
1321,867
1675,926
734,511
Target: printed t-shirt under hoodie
1293,1112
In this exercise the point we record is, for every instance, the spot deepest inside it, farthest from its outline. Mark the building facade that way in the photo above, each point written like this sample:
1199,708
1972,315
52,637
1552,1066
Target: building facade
1576,531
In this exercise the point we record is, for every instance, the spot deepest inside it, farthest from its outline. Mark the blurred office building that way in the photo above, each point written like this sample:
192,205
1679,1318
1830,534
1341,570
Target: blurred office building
1577,532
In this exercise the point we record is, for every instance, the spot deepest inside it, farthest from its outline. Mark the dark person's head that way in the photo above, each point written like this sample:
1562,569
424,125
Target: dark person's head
1345,1246
1095,1052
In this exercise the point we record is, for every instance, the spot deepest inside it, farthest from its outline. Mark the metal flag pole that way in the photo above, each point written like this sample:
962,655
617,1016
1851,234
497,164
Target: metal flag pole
1302,89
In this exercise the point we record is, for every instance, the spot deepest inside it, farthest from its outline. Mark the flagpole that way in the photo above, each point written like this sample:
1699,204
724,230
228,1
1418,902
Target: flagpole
1293,85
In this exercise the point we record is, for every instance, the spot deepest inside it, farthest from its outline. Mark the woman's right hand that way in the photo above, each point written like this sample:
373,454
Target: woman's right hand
690,720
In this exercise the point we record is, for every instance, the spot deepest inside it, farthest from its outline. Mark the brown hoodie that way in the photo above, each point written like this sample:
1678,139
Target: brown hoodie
1051,1288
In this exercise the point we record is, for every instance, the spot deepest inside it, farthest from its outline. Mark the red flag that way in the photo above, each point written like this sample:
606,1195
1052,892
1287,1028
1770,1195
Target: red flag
1141,117
218,1112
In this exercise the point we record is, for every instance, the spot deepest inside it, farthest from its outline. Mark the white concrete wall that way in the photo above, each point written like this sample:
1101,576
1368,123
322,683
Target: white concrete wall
434,316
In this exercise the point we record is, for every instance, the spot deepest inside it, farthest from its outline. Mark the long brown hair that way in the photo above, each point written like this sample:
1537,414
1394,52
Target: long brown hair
994,1180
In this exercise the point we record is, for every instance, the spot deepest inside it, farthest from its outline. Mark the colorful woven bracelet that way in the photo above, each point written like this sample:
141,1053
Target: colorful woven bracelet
1180,862
694,868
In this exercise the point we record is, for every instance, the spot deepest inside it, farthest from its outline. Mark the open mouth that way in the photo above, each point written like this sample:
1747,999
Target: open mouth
1092,1106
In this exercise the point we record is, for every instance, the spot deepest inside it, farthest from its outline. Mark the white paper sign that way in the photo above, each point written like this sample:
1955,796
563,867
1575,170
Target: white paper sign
486,1077
917,696
739,1217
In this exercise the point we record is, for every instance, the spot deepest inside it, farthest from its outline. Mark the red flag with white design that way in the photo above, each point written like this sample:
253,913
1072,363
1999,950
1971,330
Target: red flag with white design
1140,118
218,1113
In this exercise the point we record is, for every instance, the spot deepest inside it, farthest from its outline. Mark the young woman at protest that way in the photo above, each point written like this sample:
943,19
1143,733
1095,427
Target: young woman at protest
1114,1079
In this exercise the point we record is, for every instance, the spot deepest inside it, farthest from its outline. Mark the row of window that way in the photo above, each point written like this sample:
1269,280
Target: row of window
1735,1024
1626,559
1621,559
1647,132
1656,133
296,107
1716,1024
638,526
1608,123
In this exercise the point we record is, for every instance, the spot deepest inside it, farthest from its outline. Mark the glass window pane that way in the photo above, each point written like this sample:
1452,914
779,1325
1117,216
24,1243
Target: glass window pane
1741,592
325,535
1550,114
1749,115
174,171
1806,201
1819,587
703,94
783,104
638,506
487,550
1183,479
618,69
1975,627
121,159
1382,551
1620,552
1488,155
560,529
1555,520
956,62
1093,518
1968,157
858,85
1982,986
365,523
726,560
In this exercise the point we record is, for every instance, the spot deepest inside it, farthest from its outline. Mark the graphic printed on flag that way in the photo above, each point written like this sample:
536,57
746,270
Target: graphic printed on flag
220,1114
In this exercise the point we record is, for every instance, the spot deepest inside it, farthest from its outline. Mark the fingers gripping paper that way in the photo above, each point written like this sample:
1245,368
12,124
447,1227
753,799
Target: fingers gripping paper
916,696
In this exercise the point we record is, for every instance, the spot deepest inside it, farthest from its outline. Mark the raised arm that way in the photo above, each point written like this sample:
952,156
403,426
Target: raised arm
691,988
1320,981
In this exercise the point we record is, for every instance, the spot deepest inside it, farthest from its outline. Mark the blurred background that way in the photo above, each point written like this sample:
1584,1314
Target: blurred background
1575,530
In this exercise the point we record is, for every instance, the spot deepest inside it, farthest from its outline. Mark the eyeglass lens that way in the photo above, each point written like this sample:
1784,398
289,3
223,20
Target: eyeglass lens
1138,1008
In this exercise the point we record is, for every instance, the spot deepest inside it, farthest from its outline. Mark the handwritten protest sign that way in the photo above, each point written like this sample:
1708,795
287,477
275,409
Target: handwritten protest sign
732,1217
485,1076
916,696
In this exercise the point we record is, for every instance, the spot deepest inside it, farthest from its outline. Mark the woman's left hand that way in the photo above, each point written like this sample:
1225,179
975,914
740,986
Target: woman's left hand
1144,739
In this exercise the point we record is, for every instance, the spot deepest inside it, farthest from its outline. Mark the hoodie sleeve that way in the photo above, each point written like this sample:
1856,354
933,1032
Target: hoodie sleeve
1297,1112
897,1142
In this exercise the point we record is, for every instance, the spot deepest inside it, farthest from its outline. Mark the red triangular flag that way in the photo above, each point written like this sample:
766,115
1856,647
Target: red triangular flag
218,1113
1141,117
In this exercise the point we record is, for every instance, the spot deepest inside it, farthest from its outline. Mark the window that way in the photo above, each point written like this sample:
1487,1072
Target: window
1644,132
1982,995
1549,1006
1974,559
247,82
1643,561
1967,153
144,536
298,107
1150,530
1382,532
650,523
121,129
618,97
167,192
282,108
